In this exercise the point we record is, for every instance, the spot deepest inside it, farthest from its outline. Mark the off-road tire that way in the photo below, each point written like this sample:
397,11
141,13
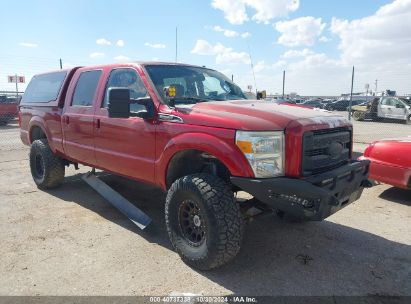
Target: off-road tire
358,116
220,215
46,168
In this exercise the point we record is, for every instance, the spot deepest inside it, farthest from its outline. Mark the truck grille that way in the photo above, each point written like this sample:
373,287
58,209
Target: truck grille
325,150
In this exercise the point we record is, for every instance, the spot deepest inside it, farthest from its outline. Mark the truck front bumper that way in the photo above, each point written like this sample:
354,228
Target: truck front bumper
313,198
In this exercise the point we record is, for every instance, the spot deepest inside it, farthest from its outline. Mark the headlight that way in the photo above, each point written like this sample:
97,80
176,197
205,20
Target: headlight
264,152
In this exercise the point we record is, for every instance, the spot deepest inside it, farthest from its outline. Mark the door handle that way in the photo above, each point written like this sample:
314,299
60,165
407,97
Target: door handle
98,123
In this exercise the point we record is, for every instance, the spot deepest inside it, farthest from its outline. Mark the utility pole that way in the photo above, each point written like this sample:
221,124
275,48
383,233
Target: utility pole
376,86
252,68
283,82
61,64
352,86
17,87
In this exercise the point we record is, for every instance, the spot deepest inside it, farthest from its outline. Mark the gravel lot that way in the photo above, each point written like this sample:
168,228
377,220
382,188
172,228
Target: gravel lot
69,241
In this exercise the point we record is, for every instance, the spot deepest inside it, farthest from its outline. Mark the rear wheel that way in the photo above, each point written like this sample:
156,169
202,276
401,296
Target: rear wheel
203,221
47,169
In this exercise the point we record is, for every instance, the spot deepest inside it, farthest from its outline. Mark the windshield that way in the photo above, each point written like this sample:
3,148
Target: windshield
193,84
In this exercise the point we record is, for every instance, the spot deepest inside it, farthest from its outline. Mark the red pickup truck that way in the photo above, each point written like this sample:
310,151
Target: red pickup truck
191,131
8,109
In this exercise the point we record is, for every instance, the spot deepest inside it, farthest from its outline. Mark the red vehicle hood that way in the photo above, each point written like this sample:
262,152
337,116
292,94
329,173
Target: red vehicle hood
256,115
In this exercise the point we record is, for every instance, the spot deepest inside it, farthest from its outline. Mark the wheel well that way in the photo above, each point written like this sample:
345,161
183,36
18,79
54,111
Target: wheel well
37,133
194,161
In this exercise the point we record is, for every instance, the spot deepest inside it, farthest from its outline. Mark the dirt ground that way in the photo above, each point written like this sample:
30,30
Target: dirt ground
70,241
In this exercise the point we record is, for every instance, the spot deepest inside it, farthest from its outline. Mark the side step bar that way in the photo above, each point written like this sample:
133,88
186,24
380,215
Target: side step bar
135,215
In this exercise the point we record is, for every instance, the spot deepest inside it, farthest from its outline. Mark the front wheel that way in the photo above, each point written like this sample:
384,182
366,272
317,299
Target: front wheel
47,169
408,120
203,221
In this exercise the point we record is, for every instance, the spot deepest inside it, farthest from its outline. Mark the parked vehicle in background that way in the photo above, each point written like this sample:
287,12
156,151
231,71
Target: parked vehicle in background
390,161
313,104
8,109
191,131
340,105
386,107
298,100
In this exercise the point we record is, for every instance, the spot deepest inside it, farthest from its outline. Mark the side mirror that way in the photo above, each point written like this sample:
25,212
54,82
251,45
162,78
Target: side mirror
148,104
118,103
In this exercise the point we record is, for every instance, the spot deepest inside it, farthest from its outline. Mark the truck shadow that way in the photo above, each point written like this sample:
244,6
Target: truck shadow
397,195
384,121
147,198
277,258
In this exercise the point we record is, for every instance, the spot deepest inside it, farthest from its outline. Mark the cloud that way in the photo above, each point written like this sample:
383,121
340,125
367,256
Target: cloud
245,35
224,55
103,41
324,39
227,33
235,11
29,44
297,53
299,31
279,64
155,45
259,66
121,58
120,43
377,38
96,55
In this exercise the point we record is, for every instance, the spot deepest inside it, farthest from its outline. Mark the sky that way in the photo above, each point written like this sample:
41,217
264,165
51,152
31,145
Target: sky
316,42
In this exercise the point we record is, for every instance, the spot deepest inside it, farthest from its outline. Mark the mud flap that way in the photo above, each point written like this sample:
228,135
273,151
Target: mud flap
135,215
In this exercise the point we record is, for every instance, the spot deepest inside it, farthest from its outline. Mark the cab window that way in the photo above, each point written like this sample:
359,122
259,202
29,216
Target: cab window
44,88
126,78
86,88
386,102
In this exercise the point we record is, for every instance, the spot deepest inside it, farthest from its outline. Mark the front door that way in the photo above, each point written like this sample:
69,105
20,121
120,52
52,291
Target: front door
125,145
399,109
77,120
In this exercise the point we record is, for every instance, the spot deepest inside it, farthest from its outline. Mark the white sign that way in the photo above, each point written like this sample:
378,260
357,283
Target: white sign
20,79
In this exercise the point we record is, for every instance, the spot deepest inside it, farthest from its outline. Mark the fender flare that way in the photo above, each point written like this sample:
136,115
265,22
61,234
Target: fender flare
39,122
229,155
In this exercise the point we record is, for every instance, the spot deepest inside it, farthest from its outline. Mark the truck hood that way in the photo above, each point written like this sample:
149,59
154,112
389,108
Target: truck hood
255,115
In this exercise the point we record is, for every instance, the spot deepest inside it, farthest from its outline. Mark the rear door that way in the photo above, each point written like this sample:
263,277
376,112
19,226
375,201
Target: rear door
78,117
125,146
